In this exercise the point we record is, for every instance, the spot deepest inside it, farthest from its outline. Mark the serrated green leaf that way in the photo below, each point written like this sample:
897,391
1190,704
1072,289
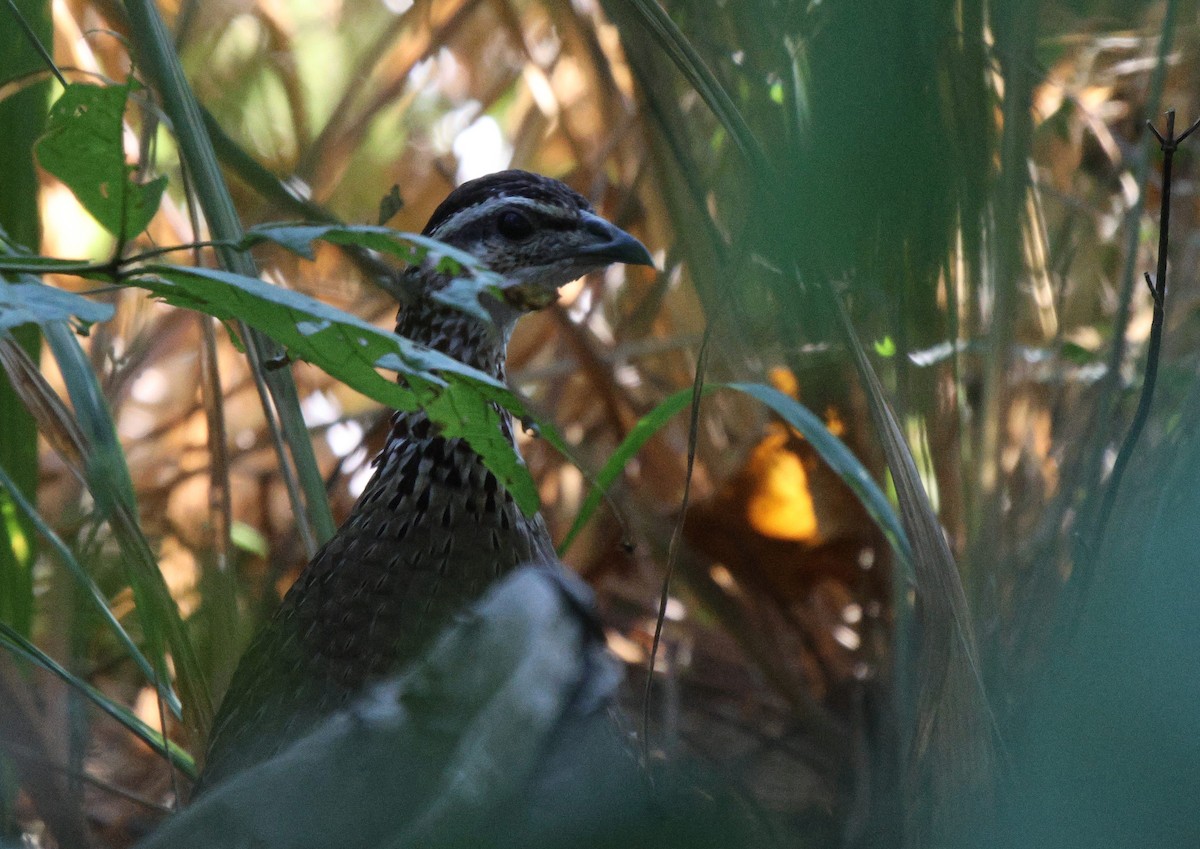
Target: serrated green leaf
458,398
84,147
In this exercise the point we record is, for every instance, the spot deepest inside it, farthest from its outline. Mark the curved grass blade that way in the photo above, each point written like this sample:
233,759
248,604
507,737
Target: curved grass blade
839,458
831,449
676,45
21,647
639,435
954,735
109,482
90,588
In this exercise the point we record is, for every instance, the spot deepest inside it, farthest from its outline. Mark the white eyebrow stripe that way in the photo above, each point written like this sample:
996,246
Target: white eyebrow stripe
466,217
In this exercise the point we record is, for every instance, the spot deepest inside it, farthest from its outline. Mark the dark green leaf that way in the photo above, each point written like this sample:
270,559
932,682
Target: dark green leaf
21,263
462,294
84,147
390,204
1077,354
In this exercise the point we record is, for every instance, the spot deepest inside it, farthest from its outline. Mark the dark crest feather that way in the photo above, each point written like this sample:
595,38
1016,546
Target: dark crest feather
501,184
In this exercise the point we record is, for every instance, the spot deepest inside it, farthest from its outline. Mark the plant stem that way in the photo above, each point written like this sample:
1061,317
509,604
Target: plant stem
1083,572
277,390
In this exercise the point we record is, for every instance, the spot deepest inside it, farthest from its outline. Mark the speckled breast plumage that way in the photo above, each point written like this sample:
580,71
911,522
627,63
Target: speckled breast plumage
430,533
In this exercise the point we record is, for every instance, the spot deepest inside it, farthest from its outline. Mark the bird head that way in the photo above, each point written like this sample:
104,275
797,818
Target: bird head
535,232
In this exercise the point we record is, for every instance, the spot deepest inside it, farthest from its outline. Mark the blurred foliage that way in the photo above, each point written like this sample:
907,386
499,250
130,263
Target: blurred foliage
971,181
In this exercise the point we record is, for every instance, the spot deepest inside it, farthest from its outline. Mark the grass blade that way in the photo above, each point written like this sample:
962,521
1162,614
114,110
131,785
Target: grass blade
157,57
109,482
831,449
839,458
950,754
26,650
91,590
692,66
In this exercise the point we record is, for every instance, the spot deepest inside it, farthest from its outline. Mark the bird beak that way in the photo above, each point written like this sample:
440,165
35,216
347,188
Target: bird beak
606,244
612,244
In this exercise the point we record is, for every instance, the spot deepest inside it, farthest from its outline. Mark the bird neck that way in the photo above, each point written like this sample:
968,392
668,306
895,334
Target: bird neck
468,339
453,332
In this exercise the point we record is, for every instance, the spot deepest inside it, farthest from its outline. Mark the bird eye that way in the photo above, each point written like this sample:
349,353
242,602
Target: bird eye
514,226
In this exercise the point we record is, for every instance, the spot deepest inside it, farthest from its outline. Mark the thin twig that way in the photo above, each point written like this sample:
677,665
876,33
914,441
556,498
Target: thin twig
36,43
1158,291
673,548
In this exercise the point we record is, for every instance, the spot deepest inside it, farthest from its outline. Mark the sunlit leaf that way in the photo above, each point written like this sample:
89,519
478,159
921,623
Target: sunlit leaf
84,146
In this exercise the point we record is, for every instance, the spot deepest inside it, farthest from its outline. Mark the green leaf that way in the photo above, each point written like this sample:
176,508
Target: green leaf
462,294
409,247
84,147
1078,355
459,399
33,302
886,347
22,263
390,204
248,539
